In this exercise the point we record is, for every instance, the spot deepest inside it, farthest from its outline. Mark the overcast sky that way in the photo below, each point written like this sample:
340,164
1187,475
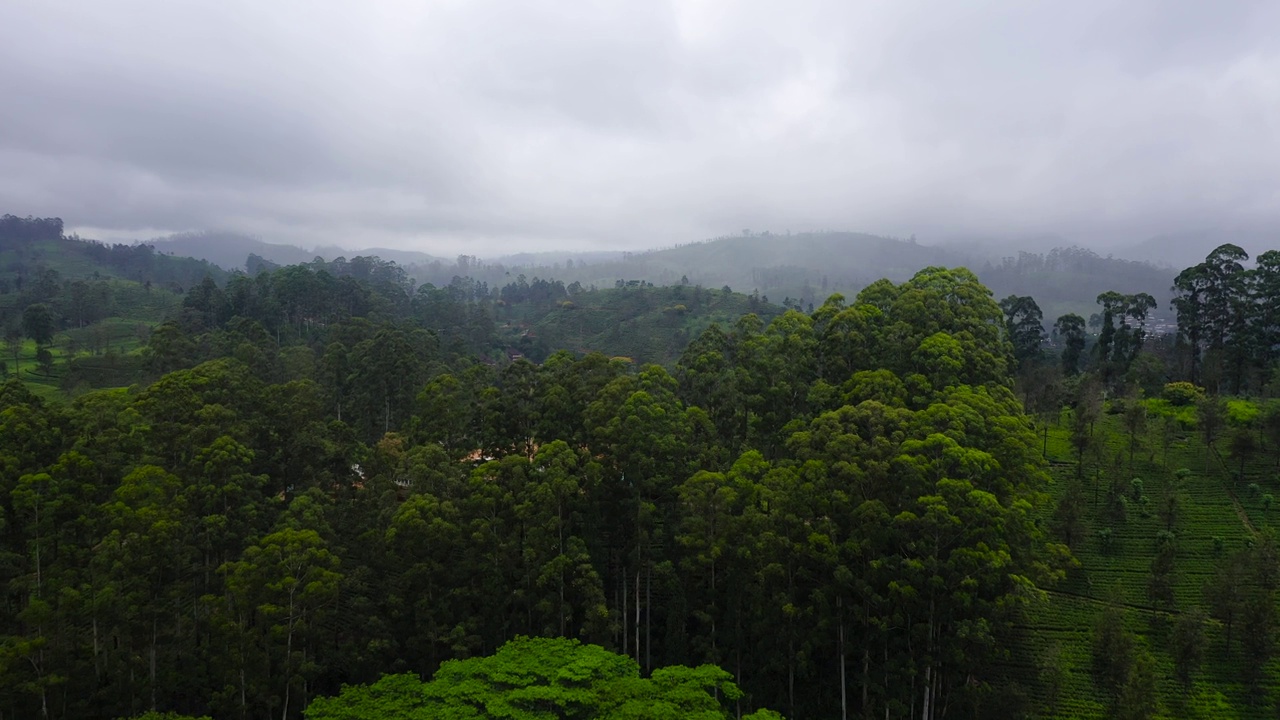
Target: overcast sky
492,127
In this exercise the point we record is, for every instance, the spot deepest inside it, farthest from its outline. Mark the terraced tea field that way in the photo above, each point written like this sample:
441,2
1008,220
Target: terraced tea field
1218,515
115,335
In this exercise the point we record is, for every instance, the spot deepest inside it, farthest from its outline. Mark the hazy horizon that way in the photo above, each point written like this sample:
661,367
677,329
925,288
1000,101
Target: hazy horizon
492,129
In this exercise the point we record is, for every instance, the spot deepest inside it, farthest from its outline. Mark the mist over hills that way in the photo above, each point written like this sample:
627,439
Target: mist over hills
796,269
1183,249
806,265
805,268
230,250
400,257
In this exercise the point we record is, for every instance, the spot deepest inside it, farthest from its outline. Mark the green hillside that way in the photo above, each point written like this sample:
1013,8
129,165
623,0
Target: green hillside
1218,516
101,301
30,246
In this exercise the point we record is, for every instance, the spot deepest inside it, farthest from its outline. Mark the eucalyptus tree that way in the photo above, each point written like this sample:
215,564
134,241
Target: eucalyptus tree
1071,329
1123,331
1214,312
1025,324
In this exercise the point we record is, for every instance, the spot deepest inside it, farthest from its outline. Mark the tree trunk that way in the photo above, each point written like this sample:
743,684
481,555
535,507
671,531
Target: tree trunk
288,654
648,618
637,603
844,687
97,670
791,673
930,670
886,678
560,551
153,664
928,688
866,680
39,581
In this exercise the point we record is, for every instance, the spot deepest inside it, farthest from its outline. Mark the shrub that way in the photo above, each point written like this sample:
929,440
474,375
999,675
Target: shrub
1118,509
1144,506
1181,393
1106,539
1242,413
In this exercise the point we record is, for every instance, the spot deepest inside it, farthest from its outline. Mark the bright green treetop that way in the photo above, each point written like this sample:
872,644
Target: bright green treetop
541,679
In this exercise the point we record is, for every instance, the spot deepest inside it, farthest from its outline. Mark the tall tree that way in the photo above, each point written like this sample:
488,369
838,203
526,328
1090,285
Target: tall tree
1192,285
1025,324
38,323
1214,313
1071,329
1186,644
283,584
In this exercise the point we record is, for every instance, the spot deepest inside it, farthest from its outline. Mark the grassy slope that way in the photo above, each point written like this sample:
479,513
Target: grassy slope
1068,618
135,306
123,336
32,376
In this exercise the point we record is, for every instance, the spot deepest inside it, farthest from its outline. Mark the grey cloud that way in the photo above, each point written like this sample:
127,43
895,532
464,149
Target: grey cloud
491,127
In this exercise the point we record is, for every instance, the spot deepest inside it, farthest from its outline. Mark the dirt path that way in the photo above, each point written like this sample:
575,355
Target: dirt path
1244,517
1235,501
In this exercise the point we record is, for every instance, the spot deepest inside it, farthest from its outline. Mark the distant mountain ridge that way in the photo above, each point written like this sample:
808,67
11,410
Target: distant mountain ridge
1184,249
230,250
802,269
804,265
797,269
400,257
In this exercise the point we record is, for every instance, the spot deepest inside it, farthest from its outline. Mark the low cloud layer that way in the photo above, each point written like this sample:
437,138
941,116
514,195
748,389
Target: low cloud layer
491,127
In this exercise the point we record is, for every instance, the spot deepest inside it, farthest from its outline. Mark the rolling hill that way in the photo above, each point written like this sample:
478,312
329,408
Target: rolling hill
230,250
806,268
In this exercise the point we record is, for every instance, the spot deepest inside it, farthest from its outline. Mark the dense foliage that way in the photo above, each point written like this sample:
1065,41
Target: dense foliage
539,678
1229,319
319,474
839,509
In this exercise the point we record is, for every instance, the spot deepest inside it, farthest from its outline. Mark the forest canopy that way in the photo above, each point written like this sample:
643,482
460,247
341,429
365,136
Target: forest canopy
838,509
235,495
